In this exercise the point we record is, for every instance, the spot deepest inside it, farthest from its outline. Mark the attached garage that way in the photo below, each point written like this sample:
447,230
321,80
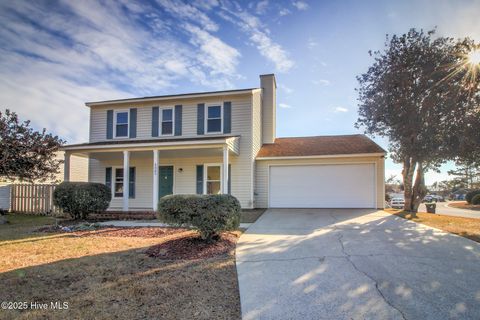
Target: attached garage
322,186
320,172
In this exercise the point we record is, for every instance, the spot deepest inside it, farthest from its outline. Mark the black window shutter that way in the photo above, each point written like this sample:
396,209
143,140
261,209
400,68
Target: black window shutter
199,179
131,183
178,120
227,117
155,117
133,123
201,118
109,124
108,177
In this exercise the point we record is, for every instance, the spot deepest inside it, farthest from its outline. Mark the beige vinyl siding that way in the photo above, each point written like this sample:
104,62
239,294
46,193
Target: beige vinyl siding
184,182
78,169
98,116
262,171
256,132
241,165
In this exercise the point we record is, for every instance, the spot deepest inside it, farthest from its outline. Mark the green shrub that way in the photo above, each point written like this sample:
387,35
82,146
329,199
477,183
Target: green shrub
469,196
81,198
476,199
208,214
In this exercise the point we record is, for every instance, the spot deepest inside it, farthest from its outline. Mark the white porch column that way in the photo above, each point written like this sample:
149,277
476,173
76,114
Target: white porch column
126,176
66,167
225,170
155,179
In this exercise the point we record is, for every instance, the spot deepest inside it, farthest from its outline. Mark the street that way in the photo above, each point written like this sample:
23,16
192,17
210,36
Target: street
443,208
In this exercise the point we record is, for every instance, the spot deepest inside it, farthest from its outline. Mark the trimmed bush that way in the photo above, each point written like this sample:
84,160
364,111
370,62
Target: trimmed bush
476,199
469,196
81,198
208,214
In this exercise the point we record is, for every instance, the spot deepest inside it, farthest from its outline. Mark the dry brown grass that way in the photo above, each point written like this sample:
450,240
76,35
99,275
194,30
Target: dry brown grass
465,227
106,277
464,205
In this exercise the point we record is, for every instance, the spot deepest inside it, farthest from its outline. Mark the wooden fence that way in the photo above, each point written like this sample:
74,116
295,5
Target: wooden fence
33,198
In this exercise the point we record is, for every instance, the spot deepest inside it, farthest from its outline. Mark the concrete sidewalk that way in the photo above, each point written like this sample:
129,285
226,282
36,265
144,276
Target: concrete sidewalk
354,264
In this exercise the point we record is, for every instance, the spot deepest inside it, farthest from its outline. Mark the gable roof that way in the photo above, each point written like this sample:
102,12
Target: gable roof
320,146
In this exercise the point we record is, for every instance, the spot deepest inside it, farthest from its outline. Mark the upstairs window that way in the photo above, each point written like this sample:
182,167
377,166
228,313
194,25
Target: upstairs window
121,124
214,119
166,121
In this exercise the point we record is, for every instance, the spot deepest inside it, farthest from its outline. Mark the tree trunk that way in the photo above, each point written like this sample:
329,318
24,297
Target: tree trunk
419,189
414,192
407,173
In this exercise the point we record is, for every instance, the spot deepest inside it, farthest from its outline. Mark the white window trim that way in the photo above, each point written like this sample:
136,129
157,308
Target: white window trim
205,171
221,117
114,179
115,123
114,176
160,121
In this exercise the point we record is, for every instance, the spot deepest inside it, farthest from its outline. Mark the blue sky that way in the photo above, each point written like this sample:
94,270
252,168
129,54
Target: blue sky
55,55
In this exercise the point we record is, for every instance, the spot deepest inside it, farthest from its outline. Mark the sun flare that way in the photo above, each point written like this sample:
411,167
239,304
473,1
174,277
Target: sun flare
474,57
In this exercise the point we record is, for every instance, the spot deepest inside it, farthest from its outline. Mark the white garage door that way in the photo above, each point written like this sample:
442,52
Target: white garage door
322,186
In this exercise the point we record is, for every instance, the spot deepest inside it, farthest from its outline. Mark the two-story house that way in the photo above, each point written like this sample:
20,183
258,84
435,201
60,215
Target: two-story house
223,142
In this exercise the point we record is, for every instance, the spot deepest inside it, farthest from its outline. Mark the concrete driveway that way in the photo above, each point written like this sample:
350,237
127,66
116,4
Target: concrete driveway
355,264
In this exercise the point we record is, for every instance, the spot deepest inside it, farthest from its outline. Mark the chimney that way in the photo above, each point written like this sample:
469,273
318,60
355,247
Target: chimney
269,107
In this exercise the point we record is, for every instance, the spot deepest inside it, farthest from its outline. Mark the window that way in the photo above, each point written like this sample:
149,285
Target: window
121,124
118,183
118,187
214,119
167,122
213,180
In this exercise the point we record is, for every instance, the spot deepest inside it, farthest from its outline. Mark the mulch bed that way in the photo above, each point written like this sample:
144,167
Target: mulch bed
133,232
191,247
183,244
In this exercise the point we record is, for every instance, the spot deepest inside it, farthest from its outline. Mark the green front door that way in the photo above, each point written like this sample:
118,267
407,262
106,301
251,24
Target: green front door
166,181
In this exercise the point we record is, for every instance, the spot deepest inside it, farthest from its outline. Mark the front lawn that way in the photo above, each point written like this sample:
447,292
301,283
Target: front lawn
464,205
465,227
107,274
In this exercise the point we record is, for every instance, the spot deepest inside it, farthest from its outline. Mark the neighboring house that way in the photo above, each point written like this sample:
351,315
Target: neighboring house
78,172
224,142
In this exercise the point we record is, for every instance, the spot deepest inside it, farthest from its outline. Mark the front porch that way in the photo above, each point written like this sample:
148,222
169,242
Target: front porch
201,166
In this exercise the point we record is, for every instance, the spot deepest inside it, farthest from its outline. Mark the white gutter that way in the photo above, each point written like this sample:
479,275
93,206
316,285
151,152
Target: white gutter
143,145
172,97
356,155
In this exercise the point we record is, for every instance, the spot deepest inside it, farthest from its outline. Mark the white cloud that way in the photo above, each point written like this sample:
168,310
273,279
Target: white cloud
261,7
259,36
214,53
300,5
321,82
341,109
284,12
272,51
311,44
102,53
284,105
185,11
285,88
